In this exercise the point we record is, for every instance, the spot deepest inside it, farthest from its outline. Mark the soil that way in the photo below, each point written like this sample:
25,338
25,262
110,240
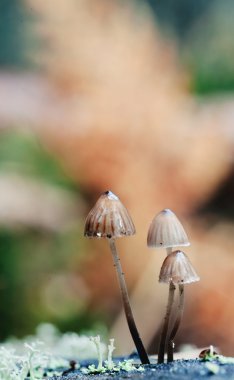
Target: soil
191,369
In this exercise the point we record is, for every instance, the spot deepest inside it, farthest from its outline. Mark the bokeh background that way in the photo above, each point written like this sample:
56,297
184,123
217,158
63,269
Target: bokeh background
132,96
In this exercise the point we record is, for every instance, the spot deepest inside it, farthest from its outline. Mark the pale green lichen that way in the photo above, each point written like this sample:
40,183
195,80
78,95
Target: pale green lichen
109,365
125,365
12,367
225,359
33,363
97,342
69,345
36,360
128,365
212,367
109,362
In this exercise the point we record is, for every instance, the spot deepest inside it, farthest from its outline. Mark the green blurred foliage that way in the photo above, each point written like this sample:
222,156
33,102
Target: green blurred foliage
203,31
23,153
27,260
33,260
209,49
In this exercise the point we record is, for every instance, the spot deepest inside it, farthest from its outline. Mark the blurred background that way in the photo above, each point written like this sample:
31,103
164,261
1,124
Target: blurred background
132,96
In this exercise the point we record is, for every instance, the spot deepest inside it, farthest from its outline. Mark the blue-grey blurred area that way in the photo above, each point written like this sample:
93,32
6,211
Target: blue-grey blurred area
136,97
15,34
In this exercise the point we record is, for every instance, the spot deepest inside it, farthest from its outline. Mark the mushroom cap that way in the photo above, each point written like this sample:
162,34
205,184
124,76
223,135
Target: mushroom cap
178,269
108,218
166,231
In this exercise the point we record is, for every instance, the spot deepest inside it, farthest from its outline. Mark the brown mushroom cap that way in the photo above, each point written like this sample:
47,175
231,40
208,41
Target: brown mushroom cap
108,218
178,269
166,231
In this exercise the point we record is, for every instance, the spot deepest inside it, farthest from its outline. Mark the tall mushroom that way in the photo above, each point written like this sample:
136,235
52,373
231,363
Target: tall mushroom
109,219
167,232
178,270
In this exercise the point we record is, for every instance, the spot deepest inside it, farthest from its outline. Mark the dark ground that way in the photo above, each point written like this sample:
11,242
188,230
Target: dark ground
178,370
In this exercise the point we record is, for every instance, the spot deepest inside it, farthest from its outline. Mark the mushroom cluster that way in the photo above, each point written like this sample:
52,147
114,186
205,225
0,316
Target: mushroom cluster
166,231
109,219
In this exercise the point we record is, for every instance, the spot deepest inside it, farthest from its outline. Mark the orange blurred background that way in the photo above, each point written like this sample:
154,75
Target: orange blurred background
115,95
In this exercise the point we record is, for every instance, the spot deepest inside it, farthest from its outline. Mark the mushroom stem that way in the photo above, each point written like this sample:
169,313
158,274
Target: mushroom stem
166,323
127,308
171,345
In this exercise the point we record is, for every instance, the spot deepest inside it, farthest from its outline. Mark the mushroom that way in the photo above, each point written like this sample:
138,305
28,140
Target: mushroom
209,354
166,231
109,219
178,270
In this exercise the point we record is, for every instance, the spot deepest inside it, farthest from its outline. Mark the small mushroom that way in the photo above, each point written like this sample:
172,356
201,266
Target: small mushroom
208,354
110,219
167,232
177,270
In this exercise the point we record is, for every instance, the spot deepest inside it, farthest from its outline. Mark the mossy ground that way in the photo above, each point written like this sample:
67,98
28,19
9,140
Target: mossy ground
193,369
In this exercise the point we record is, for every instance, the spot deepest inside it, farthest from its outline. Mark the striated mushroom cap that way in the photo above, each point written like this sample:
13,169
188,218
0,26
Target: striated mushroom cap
108,218
166,231
178,269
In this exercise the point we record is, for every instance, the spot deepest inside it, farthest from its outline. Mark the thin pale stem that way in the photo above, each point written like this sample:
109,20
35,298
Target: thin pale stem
180,310
127,308
163,337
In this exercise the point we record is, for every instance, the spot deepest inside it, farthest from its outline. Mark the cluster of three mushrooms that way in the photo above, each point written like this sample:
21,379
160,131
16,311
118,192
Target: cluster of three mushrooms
109,219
